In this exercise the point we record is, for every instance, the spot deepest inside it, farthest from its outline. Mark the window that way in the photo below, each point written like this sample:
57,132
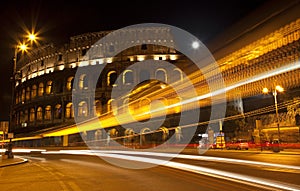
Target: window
39,114
49,87
69,111
41,89
47,113
33,91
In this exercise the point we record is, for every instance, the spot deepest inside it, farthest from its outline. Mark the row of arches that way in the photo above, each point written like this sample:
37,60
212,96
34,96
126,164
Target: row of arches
128,77
85,109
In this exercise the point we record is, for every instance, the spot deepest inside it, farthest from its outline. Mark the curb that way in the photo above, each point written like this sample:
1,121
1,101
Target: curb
22,160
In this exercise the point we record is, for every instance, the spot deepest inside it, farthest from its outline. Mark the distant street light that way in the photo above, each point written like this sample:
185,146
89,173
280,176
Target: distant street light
275,92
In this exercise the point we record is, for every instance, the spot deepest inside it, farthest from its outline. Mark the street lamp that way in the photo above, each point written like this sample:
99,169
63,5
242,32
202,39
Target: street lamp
275,92
21,47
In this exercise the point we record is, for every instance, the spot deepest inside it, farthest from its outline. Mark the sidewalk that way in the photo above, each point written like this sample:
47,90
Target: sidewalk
10,162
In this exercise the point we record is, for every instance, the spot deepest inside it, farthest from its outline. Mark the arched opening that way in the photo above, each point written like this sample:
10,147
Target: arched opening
111,78
69,84
69,111
98,108
127,77
83,82
114,133
58,112
177,75
39,114
82,109
129,133
41,89
164,133
143,136
161,75
49,87
47,112
32,115
23,95
28,93
111,106
33,91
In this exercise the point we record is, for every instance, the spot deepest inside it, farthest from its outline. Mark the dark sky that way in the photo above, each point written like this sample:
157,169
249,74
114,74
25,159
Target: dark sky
56,21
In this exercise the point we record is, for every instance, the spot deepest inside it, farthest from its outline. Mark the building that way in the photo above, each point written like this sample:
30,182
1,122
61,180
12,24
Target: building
45,93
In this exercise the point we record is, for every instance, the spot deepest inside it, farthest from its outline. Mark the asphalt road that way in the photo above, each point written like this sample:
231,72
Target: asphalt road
77,172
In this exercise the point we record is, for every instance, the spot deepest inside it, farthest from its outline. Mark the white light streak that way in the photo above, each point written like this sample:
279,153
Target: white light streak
235,177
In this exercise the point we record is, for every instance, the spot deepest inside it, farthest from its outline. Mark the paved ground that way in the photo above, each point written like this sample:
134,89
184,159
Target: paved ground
12,161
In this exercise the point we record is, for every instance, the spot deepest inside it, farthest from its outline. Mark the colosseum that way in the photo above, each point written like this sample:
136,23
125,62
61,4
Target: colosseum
50,94
46,88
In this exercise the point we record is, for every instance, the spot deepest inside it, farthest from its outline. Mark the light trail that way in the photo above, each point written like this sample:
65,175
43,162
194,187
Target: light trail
204,158
268,74
229,176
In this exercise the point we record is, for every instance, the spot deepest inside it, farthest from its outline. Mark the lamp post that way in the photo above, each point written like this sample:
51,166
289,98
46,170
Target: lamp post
275,92
20,47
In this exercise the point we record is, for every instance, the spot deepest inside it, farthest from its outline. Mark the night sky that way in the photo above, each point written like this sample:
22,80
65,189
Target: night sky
56,21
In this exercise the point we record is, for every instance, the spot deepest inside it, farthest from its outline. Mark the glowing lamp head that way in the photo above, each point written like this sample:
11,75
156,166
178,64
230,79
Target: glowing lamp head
195,45
265,90
279,88
32,37
23,47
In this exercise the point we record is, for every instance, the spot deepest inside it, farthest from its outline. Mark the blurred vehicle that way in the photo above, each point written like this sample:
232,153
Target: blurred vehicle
275,145
238,144
265,145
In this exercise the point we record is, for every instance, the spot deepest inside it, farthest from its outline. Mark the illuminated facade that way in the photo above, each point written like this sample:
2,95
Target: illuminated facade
43,92
45,84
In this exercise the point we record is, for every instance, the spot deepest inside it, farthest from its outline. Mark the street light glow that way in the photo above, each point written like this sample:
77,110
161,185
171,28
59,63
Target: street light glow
32,37
265,90
195,45
279,88
23,47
